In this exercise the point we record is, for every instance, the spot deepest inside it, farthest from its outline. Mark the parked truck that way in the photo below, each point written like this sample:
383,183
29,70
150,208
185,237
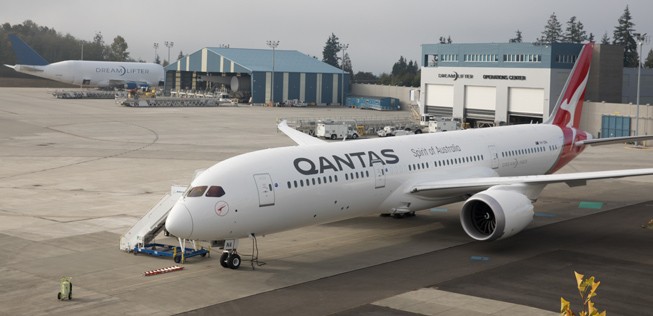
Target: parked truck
396,131
444,124
336,130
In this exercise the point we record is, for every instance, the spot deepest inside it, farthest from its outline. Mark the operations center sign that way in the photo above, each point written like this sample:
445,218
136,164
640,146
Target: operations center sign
504,77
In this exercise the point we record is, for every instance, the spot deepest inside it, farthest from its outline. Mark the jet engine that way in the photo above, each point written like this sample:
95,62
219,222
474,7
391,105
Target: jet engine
495,214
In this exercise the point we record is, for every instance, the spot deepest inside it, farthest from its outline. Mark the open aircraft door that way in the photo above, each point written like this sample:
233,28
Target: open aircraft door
265,191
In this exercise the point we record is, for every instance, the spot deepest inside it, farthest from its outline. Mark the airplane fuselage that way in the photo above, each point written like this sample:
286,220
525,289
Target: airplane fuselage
97,73
277,189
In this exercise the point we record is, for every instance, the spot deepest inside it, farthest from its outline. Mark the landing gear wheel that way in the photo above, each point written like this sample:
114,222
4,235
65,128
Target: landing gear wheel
234,261
223,260
59,296
177,258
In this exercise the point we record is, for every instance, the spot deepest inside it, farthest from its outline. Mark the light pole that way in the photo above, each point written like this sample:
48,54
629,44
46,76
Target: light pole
169,46
343,47
156,47
274,45
640,40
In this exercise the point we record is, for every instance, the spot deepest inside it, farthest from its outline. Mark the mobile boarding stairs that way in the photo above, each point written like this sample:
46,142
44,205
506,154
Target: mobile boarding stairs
139,238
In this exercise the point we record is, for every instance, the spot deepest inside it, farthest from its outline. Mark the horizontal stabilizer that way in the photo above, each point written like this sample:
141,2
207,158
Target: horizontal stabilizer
613,140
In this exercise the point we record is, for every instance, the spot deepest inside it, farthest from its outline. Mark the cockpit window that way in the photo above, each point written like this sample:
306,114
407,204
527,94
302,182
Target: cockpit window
196,191
215,191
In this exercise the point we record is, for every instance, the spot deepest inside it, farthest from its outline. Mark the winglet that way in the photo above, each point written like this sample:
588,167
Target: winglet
25,55
300,138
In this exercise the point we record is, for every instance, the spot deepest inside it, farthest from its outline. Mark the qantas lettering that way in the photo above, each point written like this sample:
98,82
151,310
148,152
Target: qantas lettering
353,160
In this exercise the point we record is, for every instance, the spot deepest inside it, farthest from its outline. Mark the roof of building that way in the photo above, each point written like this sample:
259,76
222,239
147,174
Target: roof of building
514,55
258,60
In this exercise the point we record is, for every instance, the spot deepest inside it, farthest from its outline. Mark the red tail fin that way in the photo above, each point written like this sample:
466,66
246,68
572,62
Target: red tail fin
570,103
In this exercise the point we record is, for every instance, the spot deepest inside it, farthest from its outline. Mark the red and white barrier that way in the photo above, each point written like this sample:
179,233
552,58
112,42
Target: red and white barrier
163,270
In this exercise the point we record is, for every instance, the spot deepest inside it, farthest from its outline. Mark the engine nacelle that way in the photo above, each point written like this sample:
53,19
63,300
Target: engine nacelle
495,214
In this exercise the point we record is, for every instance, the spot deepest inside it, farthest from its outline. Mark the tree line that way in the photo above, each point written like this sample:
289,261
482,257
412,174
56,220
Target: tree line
54,46
624,35
407,73
404,72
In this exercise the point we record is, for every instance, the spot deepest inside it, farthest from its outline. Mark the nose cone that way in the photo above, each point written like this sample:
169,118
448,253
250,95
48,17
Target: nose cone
179,221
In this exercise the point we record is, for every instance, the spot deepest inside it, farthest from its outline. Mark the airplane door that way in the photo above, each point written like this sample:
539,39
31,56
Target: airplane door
494,156
379,175
265,191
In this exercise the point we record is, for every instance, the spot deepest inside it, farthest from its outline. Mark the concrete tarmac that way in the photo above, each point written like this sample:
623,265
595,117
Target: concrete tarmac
76,174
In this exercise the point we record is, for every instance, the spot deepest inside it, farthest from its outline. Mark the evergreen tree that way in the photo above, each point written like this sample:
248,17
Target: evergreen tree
623,35
517,38
552,31
399,67
331,50
157,60
346,64
605,40
590,38
403,74
181,55
649,60
574,32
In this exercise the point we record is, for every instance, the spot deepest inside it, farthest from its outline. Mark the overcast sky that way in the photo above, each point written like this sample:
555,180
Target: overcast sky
378,31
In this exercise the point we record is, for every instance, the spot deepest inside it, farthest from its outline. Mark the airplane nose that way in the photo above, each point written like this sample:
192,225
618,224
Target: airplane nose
179,222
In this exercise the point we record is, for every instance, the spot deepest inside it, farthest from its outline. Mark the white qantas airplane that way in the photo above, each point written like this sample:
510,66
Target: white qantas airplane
85,72
498,171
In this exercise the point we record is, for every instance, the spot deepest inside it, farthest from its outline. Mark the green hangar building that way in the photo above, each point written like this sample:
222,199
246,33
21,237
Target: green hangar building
259,75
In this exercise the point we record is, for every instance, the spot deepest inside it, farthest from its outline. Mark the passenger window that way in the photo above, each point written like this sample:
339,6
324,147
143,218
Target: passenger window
217,191
196,191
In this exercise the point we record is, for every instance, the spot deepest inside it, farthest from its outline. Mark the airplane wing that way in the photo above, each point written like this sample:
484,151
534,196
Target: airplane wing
298,137
612,140
429,189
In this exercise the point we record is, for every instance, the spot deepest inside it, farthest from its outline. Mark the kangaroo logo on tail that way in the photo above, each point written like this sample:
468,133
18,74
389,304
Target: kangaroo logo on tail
570,103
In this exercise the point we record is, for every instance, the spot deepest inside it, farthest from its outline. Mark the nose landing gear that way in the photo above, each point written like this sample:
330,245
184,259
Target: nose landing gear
230,258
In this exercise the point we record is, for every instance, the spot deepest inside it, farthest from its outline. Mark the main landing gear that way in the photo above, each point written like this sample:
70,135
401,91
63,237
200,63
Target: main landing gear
230,258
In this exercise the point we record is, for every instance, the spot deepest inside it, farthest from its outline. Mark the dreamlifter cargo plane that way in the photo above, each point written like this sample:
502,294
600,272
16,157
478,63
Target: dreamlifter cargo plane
498,171
86,73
